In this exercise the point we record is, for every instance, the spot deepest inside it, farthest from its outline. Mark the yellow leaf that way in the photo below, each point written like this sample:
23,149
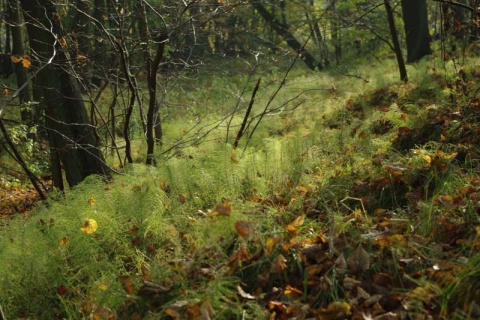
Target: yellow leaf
427,159
297,222
103,286
89,226
26,63
271,243
6,92
172,313
335,310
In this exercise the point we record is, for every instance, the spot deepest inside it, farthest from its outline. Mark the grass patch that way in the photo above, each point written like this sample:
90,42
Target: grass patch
353,198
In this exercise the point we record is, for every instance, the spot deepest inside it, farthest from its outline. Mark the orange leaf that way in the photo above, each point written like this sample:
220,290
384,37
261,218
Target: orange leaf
243,228
127,283
26,63
64,242
15,59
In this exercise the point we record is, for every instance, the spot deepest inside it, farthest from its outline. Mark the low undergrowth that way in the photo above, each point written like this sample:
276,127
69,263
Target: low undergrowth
363,208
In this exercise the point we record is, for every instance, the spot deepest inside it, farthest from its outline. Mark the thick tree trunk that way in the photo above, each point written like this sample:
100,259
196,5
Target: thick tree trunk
69,131
284,31
396,44
416,29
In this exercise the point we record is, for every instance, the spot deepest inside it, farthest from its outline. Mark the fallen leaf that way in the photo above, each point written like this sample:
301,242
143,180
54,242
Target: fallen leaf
62,290
103,313
172,313
335,311
127,283
224,209
359,260
272,242
278,264
64,242
244,228
243,294
89,226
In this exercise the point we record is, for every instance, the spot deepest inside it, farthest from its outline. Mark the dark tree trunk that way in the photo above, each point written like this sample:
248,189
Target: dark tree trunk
396,43
25,94
416,29
152,64
284,31
69,133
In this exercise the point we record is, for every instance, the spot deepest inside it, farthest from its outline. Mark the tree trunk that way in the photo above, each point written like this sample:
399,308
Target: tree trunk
25,95
284,31
396,43
69,131
152,65
416,29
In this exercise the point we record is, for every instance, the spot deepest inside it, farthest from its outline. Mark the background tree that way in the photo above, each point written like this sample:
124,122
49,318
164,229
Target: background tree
416,29
72,139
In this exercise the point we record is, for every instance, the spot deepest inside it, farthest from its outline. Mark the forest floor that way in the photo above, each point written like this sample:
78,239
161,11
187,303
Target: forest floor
384,226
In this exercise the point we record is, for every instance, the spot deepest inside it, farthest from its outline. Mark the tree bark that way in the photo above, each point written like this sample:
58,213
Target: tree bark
18,50
416,29
396,44
69,131
284,31
152,65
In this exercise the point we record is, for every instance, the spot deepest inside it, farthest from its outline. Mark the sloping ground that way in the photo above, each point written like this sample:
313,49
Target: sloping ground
383,227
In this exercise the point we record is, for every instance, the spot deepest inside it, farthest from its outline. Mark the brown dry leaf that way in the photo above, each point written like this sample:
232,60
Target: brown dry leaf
81,59
6,92
359,260
181,198
91,201
393,240
278,264
224,209
127,283
63,42
244,228
335,311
